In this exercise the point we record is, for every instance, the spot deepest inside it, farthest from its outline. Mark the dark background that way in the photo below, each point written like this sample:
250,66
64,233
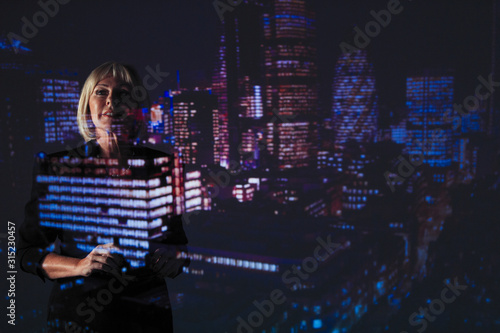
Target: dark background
183,35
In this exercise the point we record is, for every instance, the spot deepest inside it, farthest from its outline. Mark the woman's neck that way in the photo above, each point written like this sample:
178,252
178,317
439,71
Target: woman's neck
110,148
108,143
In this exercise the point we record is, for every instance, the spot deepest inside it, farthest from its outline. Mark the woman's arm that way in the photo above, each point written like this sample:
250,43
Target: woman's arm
101,258
56,266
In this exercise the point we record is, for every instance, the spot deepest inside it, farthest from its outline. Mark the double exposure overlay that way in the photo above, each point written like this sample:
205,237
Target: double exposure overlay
334,165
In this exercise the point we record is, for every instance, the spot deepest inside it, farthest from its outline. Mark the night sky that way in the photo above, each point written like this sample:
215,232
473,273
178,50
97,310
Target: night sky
183,35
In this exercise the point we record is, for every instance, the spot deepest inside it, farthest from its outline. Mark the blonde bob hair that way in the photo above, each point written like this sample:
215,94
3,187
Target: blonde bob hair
139,97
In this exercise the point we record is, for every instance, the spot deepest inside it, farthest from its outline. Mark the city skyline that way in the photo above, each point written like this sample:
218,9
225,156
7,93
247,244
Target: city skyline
406,45
374,143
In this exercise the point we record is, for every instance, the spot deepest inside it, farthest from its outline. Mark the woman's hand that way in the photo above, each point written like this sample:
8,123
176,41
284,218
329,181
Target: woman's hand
102,258
164,262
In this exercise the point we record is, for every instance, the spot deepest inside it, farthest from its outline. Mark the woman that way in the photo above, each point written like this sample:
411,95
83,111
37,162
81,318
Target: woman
97,290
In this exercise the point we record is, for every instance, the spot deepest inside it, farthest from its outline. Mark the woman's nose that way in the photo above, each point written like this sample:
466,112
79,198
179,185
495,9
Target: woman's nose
112,100
109,100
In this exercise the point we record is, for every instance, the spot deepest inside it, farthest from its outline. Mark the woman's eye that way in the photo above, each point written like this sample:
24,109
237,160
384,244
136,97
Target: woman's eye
124,93
101,92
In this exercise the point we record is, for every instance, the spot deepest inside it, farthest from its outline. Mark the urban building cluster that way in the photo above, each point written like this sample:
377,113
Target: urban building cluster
265,171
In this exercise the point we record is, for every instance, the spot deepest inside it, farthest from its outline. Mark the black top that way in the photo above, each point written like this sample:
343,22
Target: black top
132,301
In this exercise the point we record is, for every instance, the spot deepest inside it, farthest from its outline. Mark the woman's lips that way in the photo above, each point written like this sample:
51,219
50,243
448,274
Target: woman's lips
115,113
108,113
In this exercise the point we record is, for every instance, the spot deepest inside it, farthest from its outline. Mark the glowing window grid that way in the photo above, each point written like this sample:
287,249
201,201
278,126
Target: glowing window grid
129,210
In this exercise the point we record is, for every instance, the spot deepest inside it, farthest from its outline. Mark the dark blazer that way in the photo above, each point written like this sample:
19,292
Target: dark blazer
135,301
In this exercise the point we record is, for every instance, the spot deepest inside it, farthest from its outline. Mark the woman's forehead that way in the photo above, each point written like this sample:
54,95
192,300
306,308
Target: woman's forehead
109,79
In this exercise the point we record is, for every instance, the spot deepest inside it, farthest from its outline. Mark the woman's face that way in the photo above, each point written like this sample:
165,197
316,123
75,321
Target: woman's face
110,106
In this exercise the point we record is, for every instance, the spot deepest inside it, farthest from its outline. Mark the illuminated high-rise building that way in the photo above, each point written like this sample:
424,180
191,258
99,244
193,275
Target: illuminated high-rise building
243,192
160,127
237,79
291,82
251,100
220,87
429,132
356,194
294,145
156,122
251,127
59,104
50,95
195,194
25,124
100,201
398,132
354,108
359,186
195,127
18,128
467,158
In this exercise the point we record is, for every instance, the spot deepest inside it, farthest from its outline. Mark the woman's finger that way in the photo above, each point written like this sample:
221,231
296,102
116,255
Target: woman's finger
160,262
107,249
162,252
171,268
155,256
106,260
166,268
118,259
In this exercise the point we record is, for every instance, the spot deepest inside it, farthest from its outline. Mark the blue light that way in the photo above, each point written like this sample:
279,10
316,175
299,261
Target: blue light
317,323
290,16
15,44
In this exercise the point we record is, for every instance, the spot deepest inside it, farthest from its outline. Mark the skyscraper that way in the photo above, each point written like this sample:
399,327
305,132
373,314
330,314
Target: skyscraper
428,97
291,81
222,88
237,79
160,126
196,126
99,201
37,110
59,104
354,107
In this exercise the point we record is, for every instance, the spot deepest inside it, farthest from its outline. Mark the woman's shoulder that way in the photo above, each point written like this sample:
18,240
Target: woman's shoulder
87,149
144,151
91,149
